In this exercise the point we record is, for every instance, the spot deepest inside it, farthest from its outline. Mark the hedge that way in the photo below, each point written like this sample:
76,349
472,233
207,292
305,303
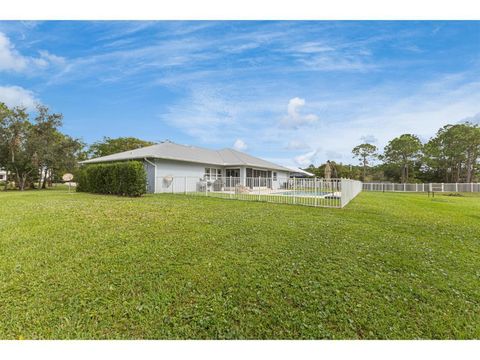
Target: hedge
120,178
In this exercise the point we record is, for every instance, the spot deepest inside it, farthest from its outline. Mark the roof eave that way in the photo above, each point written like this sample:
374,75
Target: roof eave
100,160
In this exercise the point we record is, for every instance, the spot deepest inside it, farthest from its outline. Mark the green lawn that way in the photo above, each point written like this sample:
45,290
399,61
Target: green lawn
388,265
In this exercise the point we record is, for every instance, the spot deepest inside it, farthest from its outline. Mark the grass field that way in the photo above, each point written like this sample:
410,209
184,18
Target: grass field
388,265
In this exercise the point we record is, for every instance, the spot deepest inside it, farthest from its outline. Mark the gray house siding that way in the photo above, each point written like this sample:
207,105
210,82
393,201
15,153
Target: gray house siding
175,169
171,174
282,178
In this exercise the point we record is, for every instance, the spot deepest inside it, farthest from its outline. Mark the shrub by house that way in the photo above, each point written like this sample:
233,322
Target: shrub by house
126,178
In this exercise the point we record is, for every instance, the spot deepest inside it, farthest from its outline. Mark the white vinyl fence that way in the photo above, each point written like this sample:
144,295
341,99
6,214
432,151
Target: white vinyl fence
350,189
317,192
424,187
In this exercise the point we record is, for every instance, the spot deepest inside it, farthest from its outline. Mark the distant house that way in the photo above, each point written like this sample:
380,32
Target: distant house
165,161
3,175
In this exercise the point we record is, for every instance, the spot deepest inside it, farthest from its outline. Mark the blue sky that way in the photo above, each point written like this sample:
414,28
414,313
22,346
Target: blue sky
292,92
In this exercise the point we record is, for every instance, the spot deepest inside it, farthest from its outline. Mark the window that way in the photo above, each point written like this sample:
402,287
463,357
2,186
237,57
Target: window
274,176
232,173
259,173
212,173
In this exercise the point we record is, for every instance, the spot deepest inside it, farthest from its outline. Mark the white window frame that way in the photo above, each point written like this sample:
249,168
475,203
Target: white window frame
213,173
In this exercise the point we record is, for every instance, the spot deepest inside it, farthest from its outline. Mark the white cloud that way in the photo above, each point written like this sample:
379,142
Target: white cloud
313,48
122,62
297,145
240,145
18,96
12,60
236,49
337,63
205,115
370,139
307,158
49,58
217,116
475,119
294,117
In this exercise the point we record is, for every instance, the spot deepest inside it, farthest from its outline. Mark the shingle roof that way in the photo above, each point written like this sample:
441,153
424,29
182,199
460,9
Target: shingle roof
171,151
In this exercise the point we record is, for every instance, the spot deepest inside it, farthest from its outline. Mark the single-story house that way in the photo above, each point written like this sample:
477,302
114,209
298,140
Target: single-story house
167,160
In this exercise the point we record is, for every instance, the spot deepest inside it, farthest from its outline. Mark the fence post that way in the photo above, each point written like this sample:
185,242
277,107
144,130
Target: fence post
294,189
185,186
316,195
471,187
443,186
456,187
259,186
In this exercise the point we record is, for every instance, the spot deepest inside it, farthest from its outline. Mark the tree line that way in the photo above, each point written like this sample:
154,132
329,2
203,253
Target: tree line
33,150
452,155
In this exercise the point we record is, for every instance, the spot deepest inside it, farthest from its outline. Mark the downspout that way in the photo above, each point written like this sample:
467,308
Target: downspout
155,174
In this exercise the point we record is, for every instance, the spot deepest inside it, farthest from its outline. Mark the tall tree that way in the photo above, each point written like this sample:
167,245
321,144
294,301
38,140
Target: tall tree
34,150
435,161
403,150
109,146
452,155
4,149
20,157
364,153
44,137
472,141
